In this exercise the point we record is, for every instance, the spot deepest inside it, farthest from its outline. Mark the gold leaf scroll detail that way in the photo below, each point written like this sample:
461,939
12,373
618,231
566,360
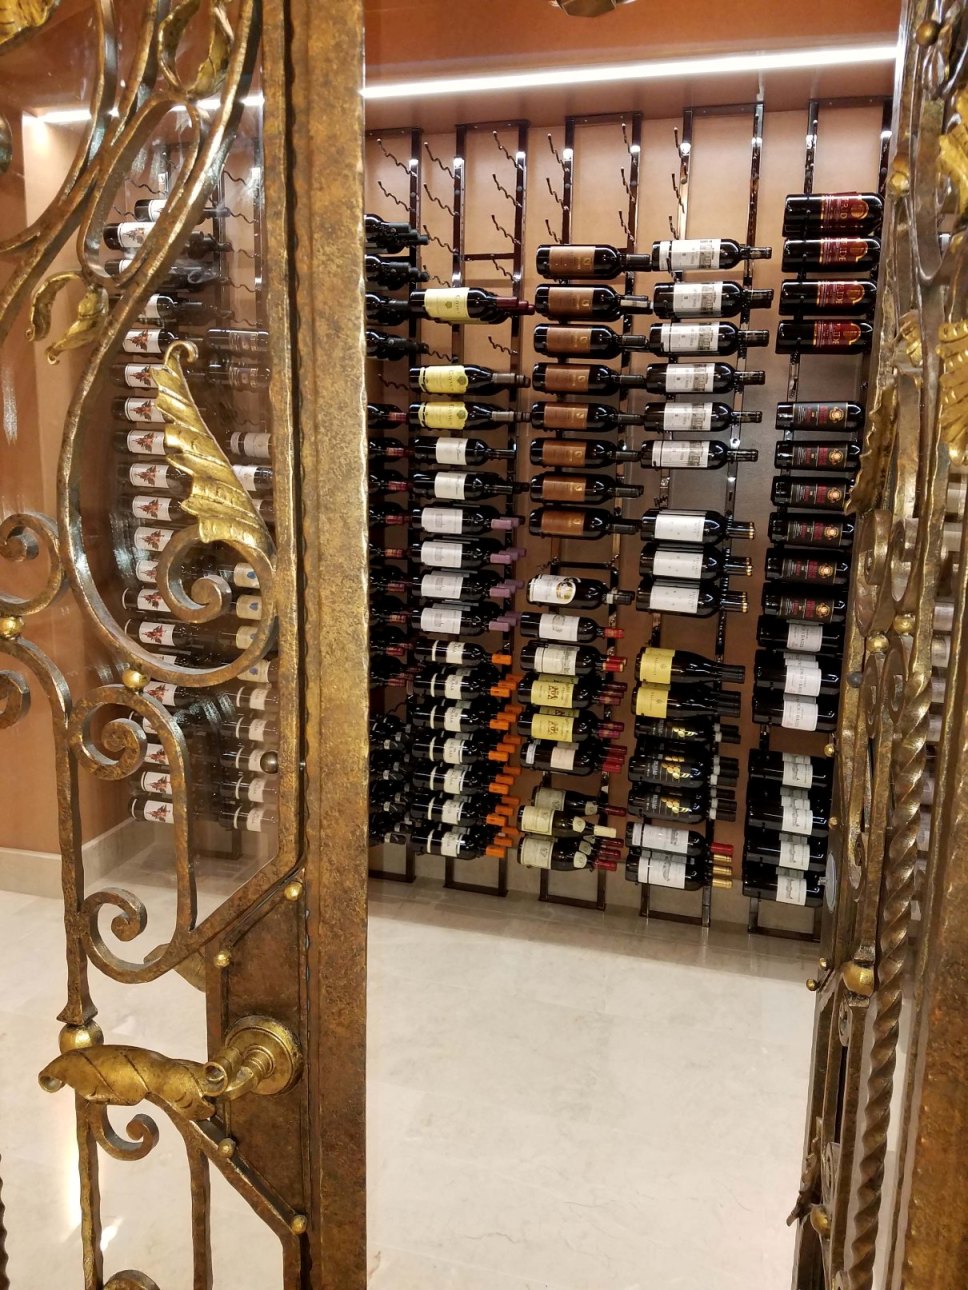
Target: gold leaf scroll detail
18,17
218,501
876,455
909,333
91,314
121,1075
211,71
953,153
953,385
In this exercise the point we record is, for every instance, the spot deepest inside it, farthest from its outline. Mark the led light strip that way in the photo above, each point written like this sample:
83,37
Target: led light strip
718,65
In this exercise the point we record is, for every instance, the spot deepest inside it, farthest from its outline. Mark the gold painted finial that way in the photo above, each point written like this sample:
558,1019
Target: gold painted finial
11,627
298,1224
899,180
858,979
293,890
813,985
903,624
132,679
927,32
223,958
819,1220
878,643
72,1038
226,1148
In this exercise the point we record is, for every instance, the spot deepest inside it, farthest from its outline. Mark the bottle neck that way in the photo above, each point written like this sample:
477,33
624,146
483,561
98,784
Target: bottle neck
757,252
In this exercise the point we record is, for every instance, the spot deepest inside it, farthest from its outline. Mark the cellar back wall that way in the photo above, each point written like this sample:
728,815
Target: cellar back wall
717,201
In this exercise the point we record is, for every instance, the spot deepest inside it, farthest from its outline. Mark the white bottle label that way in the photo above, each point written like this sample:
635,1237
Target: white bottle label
443,379
442,586
690,253
258,699
247,475
442,519
159,812
450,811
442,416
450,484
251,443
156,634
668,563
257,730
243,575
454,780
255,820
146,443
453,750
149,475
142,410
552,799
152,602
557,627
550,691
536,852
797,770
155,206
152,539
794,852
139,375
450,842
677,526
146,571
254,761
689,338
441,555
438,618
563,756
449,304
132,234
256,790
799,714
249,608
655,837
244,637
806,638
548,589
662,873
143,340
559,659
802,677
691,453
453,651
155,754
161,691
689,378
687,416
451,452
791,888
151,508
156,781
537,819
453,716
794,819
454,682
697,298
674,598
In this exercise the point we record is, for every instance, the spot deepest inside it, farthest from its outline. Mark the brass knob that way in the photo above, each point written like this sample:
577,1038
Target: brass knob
11,627
878,643
132,679
858,978
293,890
813,985
904,624
223,958
926,33
819,1220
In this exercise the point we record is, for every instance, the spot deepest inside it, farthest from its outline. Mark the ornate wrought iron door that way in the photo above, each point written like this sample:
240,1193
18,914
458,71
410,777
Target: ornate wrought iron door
240,118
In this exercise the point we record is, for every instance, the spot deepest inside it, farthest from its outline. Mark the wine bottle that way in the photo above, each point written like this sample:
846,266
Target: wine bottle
561,854
692,526
788,810
460,416
387,481
463,378
390,235
785,850
804,604
811,213
836,336
385,310
703,253
664,703
697,378
594,378
656,666
830,254
248,788
787,886
799,637
393,272
466,521
469,585
252,444
257,761
544,822
664,338
569,628
600,303
457,452
699,599
663,869
696,417
381,344
820,454
466,304
848,299
458,750
381,416
147,340
458,654
807,530
792,770
690,563
672,770
815,494
549,690
797,673
464,717
706,299
680,842
819,416
578,759
457,683
458,619
183,275
461,485
589,417
578,454
444,808
580,593
388,514
793,712
481,777
568,660
580,490
787,564
569,261
131,234
473,554
687,730
596,342
683,807
692,454
552,521
462,843
564,800
385,448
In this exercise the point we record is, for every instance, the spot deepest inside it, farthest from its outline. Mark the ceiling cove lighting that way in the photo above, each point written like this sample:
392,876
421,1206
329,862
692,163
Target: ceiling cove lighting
656,70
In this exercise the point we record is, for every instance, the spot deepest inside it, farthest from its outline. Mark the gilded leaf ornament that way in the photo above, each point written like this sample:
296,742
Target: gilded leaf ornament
953,385
953,153
876,454
218,501
20,17
90,316
210,74
121,1075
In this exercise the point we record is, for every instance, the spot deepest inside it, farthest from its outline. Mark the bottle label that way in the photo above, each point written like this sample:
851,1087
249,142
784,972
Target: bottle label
802,677
454,780
143,340
146,570
450,811
677,564
799,714
442,416
697,298
162,692
436,618
838,295
565,416
255,820
566,260
546,725
248,476
797,771
451,842
249,608
843,208
132,234
152,602
677,526
814,532
158,812
442,555
256,732
690,378
791,889
258,674
690,253
563,523
806,638
794,852
553,799
536,819
453,751
811,415
151,508
836,335
244,637
150,633
795,819
454,683
243,575
560,660
652,700
673,598
551,691
571,301
687,416
656,837
146,475
451,452
453,651
536,853
155,754
138,375
569,340
251,443
819,456
560,488
555,453
442,519
689,338
560,379
447,304
453,716
558,627
563,756
843,250
549,589
146,443
655,665
157,781
446,379
806,608
808,570
258,699
443,586
142,410
690,453
662,873
146,539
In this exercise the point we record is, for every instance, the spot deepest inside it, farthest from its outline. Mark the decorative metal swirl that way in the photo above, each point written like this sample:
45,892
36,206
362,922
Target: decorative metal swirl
210,73
14,699
22,537
143,1135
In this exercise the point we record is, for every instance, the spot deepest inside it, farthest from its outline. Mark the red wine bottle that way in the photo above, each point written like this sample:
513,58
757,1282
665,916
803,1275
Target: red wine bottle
603,262
392,273
664,338
831,255
696,418
553,521
579,593
581,759
819,416
466,304
787,810
461,521
706,299
656,666
547,690
799,637
477,778
595,378
458,654
578,303
681,807
785,850
589,417
391,235
457,452
442,808
543,822
815,494
460,416
473,554
461,485
456,683
463,378
690,563
788,564
381,344
663,702
676,770
692,526
807,214
459,750
697,378
565,628
463,717
847,299
562,854
580,490
663,869
565,726
568,660
682,254
795,529
578,454
836,336
804,603
692,454
704,730
680,842
818,454
698,599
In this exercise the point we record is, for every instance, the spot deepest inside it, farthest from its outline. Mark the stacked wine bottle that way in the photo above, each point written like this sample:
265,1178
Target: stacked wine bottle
231,732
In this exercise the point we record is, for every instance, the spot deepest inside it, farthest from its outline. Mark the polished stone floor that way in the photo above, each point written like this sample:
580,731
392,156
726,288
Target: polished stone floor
558,1101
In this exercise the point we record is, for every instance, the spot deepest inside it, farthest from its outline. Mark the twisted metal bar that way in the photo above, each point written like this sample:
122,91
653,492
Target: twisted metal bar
4,1279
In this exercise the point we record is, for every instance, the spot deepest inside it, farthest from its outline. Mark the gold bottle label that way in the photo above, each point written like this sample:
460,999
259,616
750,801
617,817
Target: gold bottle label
564,260
559,488
575,301
564,380
546,725
655,665
563,523
651,701
565,416
559,453
552,691
569,340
